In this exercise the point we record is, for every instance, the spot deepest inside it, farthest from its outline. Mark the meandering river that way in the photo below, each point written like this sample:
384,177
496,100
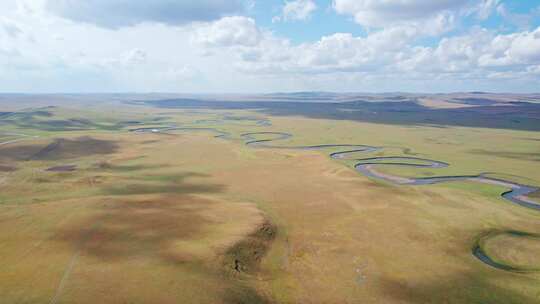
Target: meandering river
516,193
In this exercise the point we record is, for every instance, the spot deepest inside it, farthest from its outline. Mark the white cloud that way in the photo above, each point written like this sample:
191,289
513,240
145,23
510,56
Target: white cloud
377,13
388,53
457,55
340,52
42,51
486,7
228,31
524,47
481,51
296,10
67,56
121,13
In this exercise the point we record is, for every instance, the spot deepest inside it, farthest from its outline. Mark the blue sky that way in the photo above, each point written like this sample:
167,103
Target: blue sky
324,21
215,46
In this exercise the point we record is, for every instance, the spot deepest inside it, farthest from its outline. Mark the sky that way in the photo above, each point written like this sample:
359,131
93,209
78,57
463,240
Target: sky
261,46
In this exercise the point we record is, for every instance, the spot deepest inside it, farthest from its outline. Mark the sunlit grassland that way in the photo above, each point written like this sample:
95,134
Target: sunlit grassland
469,151
516,250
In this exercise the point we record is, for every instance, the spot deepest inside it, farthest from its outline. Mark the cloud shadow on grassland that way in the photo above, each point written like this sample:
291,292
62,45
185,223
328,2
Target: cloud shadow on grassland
150,227
130,228
59,149
132,225
166,183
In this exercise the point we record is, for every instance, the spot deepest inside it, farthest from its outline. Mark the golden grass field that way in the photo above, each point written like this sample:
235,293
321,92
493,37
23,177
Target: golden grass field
189,218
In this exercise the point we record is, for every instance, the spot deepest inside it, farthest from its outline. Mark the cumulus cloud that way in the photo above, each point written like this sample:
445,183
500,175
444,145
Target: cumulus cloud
428,17
522,48
66,55
228,31
476,54
481,51
452,55
376,13
340,52
296,10
122,13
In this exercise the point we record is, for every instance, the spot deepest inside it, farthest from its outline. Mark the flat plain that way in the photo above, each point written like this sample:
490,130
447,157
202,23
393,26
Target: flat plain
148,200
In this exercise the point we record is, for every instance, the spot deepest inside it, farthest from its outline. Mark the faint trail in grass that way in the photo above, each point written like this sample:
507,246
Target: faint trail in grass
65,277
12,141
72,262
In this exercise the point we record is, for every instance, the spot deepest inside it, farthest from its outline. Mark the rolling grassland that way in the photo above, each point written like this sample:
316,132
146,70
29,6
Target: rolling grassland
183,211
